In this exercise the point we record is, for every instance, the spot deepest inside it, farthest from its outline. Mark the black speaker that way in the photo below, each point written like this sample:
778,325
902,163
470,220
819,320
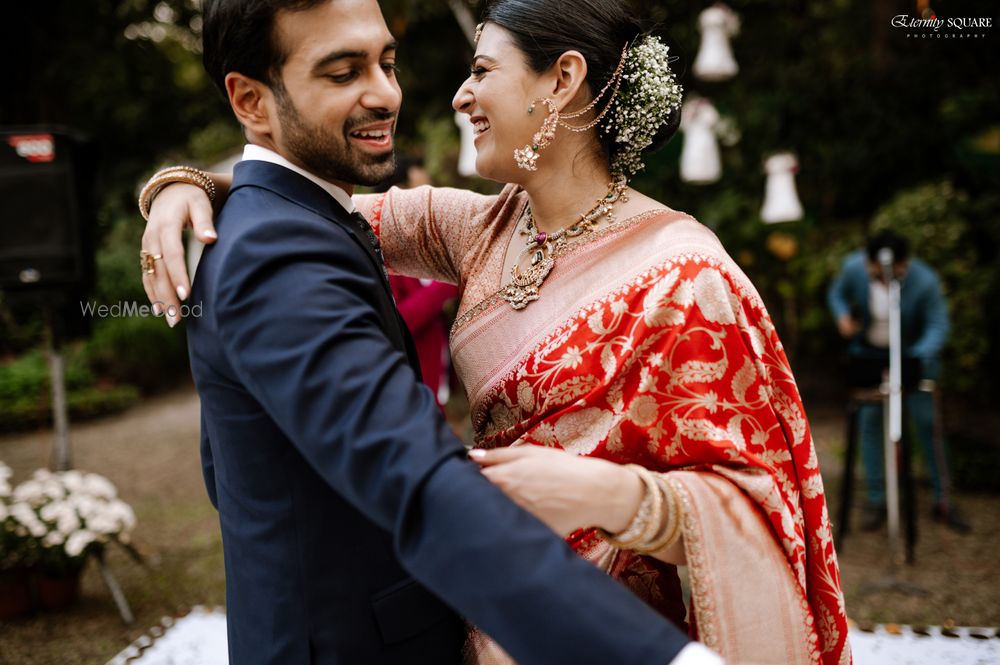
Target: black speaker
46,214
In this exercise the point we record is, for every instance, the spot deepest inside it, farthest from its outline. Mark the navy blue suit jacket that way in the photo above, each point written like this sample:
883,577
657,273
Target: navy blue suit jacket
342,494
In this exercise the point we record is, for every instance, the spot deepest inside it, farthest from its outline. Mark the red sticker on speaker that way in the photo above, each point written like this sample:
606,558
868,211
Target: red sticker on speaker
34,147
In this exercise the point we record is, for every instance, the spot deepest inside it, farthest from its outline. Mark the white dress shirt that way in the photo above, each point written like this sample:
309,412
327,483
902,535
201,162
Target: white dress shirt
878,314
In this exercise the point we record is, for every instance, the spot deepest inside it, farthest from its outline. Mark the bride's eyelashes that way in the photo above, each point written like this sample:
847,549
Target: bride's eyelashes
476,69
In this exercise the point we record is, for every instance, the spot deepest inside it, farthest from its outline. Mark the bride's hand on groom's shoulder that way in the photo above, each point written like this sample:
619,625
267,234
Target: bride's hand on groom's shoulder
565,491
175,208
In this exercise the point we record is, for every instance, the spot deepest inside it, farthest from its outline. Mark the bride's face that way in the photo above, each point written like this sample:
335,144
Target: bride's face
496,96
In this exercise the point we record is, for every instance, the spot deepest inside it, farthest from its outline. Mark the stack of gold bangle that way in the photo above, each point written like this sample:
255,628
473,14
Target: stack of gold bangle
167,176
670,523
656,524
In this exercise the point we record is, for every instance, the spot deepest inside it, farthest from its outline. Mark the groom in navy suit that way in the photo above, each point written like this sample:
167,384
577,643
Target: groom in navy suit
348,509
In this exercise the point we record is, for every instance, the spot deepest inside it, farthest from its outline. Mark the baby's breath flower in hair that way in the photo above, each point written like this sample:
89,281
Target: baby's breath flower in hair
649,93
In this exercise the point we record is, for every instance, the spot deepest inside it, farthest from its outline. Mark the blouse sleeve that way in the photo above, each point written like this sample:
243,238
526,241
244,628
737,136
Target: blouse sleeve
426,231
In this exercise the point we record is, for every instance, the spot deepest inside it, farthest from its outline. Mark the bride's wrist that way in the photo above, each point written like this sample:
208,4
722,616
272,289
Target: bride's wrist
622,494
168,176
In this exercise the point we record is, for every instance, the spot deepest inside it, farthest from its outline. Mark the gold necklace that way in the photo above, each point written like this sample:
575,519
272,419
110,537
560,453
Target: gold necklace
543,248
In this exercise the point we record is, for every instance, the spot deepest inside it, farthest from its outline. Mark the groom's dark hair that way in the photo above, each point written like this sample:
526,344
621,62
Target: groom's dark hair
239,36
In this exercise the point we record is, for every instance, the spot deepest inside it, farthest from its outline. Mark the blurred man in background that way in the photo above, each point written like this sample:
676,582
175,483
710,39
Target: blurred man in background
859,301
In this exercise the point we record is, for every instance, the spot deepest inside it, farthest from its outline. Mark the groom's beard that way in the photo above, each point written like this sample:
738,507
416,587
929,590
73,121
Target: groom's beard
328,156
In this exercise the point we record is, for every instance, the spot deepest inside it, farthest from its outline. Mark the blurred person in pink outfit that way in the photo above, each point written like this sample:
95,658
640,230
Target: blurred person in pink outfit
421,302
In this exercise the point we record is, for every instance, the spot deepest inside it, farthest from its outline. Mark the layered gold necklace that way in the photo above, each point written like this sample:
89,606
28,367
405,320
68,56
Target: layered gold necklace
537,259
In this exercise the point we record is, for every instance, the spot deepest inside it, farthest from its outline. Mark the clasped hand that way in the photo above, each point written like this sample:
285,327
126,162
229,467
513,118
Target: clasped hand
565,491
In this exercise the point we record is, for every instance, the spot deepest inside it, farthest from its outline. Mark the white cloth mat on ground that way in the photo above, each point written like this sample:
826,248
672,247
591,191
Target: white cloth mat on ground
200,639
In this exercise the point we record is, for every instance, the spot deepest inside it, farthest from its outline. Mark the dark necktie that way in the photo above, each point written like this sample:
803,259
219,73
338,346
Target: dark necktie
371,243
365,230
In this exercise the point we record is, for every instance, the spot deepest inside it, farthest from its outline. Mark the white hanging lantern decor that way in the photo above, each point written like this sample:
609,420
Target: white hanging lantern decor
781,201
700,160
467,152
715,61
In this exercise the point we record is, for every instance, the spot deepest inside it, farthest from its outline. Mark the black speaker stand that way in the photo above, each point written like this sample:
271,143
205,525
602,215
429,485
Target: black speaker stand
61,458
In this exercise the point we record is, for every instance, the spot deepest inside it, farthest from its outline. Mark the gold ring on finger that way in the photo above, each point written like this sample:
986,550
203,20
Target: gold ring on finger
147,261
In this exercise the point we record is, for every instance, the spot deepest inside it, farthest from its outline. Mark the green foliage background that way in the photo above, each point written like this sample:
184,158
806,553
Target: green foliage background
890,132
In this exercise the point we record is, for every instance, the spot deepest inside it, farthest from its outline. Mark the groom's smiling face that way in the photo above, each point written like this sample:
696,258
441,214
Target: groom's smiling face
337,98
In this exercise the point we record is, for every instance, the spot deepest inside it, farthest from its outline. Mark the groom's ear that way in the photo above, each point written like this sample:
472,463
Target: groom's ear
570,72
250,100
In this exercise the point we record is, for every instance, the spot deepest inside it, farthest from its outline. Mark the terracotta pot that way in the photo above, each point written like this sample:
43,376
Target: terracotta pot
57,593
15,594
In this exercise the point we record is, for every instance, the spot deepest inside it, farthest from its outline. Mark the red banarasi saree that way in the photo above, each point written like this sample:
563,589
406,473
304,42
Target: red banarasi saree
647,345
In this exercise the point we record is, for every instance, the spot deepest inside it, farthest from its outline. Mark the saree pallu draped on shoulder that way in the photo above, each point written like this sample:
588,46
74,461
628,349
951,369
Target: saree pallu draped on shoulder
649,345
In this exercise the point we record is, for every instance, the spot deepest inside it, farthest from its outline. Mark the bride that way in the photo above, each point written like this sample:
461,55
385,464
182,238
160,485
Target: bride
598,325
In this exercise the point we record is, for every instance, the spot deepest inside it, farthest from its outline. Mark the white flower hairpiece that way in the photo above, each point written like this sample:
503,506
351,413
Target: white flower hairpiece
649,93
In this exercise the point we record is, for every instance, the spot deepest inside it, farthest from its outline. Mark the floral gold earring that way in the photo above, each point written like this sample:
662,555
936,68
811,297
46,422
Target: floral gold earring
527,157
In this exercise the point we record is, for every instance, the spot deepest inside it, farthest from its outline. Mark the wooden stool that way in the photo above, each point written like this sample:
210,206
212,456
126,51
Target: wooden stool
873,396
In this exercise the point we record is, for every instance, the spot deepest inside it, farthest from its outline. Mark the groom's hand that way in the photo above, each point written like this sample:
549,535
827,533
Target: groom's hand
177,207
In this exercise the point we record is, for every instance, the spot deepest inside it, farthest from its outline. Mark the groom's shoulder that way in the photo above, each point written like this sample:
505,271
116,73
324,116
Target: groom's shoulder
260,229
259,194
255,219
262,211
258,224
252,205
274,217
